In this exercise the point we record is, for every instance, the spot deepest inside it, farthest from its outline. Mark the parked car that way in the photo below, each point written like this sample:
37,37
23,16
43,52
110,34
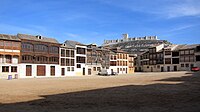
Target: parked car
107,72
104,72
195,69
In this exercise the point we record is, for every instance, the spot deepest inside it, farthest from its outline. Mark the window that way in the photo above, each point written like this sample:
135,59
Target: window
7,44
154,56
115,57
111,57
187,52
80,59
158,66
54,50
72,62
98,68
67,53
1,43
14,69
182,59
175,54
67,62
5,68
121,56
175,60
16,44
62,52
167,60
72,68
40,48
154,50
182,65
8,59
42,59
182,52
191,58
62,62
68,68
147,66
53,59
187,59
27,47
27,58
198,48
78,65
94,68
72,53
150,50
167,52
113,63
198,58
151,56
118,56
80,50
186,65
191,51
121,63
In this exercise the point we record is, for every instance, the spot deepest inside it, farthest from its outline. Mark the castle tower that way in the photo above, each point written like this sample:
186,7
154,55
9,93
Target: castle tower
125,37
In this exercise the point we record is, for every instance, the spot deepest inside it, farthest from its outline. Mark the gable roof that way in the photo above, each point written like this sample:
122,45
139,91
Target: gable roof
9,37
73,43
35,38
189,46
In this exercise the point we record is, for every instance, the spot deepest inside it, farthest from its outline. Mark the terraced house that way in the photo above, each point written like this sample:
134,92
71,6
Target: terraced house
190,56
39,56
97,59
67,60
10,47
80,57
170,58
119,61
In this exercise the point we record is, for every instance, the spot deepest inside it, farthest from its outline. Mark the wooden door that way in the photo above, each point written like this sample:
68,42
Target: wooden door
83,71
175,68
63,71
41,70
162,69
28,70
52,70
89,71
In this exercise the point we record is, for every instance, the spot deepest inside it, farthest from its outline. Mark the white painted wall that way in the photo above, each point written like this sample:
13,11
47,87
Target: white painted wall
5,74
22,71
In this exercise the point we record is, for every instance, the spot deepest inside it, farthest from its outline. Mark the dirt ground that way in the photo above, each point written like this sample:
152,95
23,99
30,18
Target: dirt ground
139,92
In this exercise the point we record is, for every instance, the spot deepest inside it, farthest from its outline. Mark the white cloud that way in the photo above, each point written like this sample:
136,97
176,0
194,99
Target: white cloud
187,8
161,8
15,29
181,28
30,29
72,35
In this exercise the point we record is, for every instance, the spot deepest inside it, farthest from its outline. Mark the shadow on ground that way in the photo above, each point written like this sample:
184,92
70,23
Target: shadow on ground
181,97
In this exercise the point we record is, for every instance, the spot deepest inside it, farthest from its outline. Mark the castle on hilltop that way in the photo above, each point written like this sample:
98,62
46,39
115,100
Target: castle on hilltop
125,38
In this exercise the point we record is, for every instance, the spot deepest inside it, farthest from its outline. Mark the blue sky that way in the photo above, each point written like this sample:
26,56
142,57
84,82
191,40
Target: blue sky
92,21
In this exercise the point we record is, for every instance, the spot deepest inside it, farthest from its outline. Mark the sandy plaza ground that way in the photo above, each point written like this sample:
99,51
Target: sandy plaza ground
139,92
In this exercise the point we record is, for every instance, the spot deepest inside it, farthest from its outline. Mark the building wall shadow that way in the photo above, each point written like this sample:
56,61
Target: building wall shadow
181,97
